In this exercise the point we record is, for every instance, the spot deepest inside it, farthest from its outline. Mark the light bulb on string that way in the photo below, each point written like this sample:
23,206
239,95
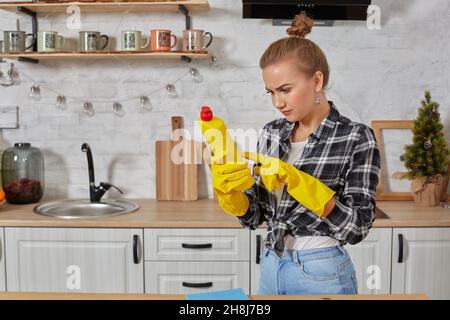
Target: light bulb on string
118,109
195,75
9,78
12,75
35,92
214,63
145,104
171,91
88,109
61,102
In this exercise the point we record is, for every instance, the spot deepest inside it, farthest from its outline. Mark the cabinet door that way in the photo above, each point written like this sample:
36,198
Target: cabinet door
2,262
74,260
421,261
372,260
181,277
371,257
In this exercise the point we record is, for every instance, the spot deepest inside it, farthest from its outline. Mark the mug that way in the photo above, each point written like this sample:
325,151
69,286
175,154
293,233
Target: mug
90,41
47,41
131,41
14,41
160,40
193,40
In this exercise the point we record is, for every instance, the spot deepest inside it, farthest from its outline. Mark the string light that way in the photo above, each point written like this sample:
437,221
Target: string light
35,92
88,109
171,91
61,102
12,77
195,75
214,63
145,104
118,110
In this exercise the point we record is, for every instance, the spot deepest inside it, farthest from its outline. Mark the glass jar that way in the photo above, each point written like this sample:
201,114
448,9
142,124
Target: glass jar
23,174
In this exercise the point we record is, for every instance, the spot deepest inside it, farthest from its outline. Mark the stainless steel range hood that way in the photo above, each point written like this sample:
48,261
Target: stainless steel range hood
324,10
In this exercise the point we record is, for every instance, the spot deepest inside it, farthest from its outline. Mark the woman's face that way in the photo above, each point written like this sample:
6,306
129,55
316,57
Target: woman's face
293,92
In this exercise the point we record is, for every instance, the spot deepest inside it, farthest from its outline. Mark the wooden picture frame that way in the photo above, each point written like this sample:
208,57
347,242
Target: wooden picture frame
378,126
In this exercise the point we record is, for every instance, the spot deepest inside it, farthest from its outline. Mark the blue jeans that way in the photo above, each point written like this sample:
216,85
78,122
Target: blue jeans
313,271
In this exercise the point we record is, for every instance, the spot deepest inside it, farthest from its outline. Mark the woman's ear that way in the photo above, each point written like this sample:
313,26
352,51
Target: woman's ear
318,81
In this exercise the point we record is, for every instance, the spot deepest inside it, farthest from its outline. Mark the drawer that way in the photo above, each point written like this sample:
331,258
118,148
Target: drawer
174,277
197,244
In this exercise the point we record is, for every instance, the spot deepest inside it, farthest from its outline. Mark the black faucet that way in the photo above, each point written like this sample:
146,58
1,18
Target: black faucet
96,192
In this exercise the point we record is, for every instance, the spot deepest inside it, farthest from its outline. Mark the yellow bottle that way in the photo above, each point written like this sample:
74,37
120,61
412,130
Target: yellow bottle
223,148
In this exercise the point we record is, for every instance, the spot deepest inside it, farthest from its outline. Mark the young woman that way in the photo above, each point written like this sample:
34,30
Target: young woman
324,178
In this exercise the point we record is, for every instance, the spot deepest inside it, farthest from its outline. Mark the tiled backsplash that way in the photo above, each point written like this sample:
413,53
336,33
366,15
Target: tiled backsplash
375,74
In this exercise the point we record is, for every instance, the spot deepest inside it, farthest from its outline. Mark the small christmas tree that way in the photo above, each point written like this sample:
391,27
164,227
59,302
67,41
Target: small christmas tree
428,155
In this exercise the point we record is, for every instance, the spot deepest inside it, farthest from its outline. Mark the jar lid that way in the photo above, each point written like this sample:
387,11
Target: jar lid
22,144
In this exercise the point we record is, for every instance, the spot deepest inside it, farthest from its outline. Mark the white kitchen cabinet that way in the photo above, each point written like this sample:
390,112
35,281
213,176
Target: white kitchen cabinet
183,277
421,261
371,258
2,262
74,260
180,261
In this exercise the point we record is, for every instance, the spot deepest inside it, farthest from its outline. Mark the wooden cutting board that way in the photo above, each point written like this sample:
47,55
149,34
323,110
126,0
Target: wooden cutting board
177,176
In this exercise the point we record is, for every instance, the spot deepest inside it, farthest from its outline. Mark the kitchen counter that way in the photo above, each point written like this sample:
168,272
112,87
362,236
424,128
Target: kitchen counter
108,296
206,213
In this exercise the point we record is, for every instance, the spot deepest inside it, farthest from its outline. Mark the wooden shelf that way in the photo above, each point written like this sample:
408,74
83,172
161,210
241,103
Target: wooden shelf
109,6
107,55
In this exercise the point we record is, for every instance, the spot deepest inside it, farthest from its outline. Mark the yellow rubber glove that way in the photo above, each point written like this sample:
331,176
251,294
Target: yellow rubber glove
306,189
229,180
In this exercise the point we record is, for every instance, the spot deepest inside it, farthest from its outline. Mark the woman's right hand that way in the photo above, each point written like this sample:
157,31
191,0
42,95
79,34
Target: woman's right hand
234,176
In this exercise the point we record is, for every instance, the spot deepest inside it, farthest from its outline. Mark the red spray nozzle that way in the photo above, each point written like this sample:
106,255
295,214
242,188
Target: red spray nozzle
206,114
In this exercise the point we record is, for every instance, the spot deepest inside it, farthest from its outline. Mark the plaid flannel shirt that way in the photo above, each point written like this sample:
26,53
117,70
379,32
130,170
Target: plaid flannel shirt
342,154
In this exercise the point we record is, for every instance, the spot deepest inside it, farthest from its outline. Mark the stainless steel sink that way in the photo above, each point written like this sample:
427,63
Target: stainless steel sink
73,209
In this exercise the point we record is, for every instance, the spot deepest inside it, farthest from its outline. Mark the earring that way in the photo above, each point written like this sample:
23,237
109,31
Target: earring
318,99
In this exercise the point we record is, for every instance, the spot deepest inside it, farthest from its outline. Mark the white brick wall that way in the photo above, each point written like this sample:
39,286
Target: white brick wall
379,74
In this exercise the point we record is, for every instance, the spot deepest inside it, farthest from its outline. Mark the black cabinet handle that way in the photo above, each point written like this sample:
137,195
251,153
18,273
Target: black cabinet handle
197,285
196,246
258,248
135,249
400,248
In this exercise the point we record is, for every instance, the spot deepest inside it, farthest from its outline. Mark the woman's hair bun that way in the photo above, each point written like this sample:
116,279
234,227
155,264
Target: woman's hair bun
300,26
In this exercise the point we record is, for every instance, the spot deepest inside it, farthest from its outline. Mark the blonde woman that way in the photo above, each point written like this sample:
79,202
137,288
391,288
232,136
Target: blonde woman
321,195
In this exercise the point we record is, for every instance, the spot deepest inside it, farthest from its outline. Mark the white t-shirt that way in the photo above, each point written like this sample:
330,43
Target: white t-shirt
302,242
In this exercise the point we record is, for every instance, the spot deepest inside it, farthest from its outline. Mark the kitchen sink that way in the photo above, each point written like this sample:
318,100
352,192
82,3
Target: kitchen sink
73,209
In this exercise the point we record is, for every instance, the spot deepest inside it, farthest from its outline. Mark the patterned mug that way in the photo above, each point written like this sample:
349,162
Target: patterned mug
14,41
132,41
194,39
160,40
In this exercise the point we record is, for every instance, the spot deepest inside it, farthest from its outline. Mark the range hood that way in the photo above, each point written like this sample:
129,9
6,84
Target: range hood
317,9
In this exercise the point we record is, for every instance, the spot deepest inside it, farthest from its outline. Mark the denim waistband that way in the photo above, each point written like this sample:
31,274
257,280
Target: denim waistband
305,255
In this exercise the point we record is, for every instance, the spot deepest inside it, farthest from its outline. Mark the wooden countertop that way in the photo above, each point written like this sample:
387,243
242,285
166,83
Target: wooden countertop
206,213
108,296
407,214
